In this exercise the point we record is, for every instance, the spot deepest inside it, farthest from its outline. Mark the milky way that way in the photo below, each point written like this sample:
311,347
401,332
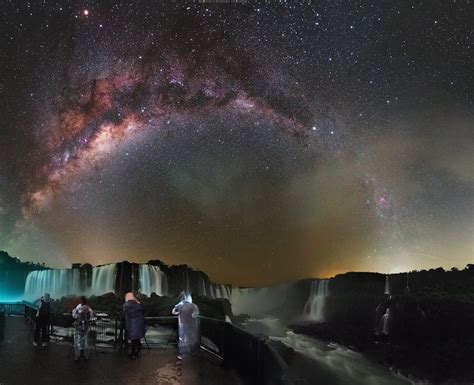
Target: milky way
258,142
141,98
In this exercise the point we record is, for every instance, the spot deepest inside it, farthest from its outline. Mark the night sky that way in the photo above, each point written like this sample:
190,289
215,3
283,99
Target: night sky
257,142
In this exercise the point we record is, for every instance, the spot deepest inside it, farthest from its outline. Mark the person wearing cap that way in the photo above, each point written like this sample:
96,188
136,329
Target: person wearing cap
42,321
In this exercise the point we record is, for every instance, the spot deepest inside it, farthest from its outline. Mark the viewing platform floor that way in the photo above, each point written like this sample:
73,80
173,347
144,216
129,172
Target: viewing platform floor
22,364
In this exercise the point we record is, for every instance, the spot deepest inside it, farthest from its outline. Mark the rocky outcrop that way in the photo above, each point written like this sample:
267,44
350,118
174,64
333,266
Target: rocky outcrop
13,275
427,331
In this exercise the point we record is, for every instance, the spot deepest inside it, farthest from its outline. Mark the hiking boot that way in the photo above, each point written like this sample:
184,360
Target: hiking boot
35,343
44,344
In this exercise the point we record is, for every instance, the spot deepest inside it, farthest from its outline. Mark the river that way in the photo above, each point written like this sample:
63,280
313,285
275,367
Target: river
319,362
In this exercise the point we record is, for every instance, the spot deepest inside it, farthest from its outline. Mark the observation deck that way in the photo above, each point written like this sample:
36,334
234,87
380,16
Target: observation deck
228,355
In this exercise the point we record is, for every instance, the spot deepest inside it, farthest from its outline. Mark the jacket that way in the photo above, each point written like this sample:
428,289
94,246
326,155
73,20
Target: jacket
134,320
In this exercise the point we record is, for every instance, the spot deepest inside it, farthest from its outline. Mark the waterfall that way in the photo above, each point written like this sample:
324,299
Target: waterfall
384,321
259,300
218,290
202,287
229,292
58,283
67,282
103,279
387,285
184,281
314,307
152,280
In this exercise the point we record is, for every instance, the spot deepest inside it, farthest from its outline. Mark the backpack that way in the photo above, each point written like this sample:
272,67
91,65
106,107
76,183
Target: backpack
83,320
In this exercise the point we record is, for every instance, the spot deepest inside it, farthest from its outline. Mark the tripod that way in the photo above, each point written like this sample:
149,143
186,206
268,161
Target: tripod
169,339
122,340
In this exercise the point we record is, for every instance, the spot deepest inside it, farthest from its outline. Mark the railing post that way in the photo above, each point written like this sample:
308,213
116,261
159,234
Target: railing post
226,344
115,334
259,360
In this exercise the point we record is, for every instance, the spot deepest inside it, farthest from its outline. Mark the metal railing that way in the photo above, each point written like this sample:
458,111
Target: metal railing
13,308
254,358
160,332
110,330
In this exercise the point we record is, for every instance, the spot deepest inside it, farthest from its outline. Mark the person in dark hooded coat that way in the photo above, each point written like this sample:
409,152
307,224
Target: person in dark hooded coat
134,323
42,321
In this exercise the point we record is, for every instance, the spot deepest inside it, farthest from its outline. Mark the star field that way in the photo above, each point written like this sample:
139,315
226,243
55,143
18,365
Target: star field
259,142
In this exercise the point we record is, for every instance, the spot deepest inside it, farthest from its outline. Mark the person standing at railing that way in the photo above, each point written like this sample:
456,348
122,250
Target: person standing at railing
188,324
134,323
2,322
42,321
82,315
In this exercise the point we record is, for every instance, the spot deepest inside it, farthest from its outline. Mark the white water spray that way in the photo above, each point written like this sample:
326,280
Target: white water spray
152,280
103,279
384,321
58,283
314,307
387,285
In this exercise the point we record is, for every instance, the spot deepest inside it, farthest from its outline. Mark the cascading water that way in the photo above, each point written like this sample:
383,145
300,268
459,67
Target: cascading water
259,300
58,283
184,281
218,290
314,307
384,321
152,280
103,279
212,290
330,363
387,285
202,287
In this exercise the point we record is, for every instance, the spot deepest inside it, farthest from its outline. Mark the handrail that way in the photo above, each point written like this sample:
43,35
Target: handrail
238,327
30,304
228,337
162,317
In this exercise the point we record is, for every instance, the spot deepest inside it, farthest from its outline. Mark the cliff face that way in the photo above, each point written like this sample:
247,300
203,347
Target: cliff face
179,278
183,277
432,298
125,277
13,275
426,331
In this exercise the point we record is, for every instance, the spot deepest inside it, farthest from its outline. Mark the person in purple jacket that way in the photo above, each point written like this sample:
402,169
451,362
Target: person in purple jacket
134,323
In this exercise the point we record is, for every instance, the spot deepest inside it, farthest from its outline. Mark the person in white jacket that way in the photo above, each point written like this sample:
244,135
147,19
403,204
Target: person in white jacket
188,324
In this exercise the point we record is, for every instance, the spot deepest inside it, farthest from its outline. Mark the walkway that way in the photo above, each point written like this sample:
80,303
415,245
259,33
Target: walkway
21,363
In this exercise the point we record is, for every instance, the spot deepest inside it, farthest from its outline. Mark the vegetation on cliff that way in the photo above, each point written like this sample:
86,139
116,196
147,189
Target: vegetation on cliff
430,327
